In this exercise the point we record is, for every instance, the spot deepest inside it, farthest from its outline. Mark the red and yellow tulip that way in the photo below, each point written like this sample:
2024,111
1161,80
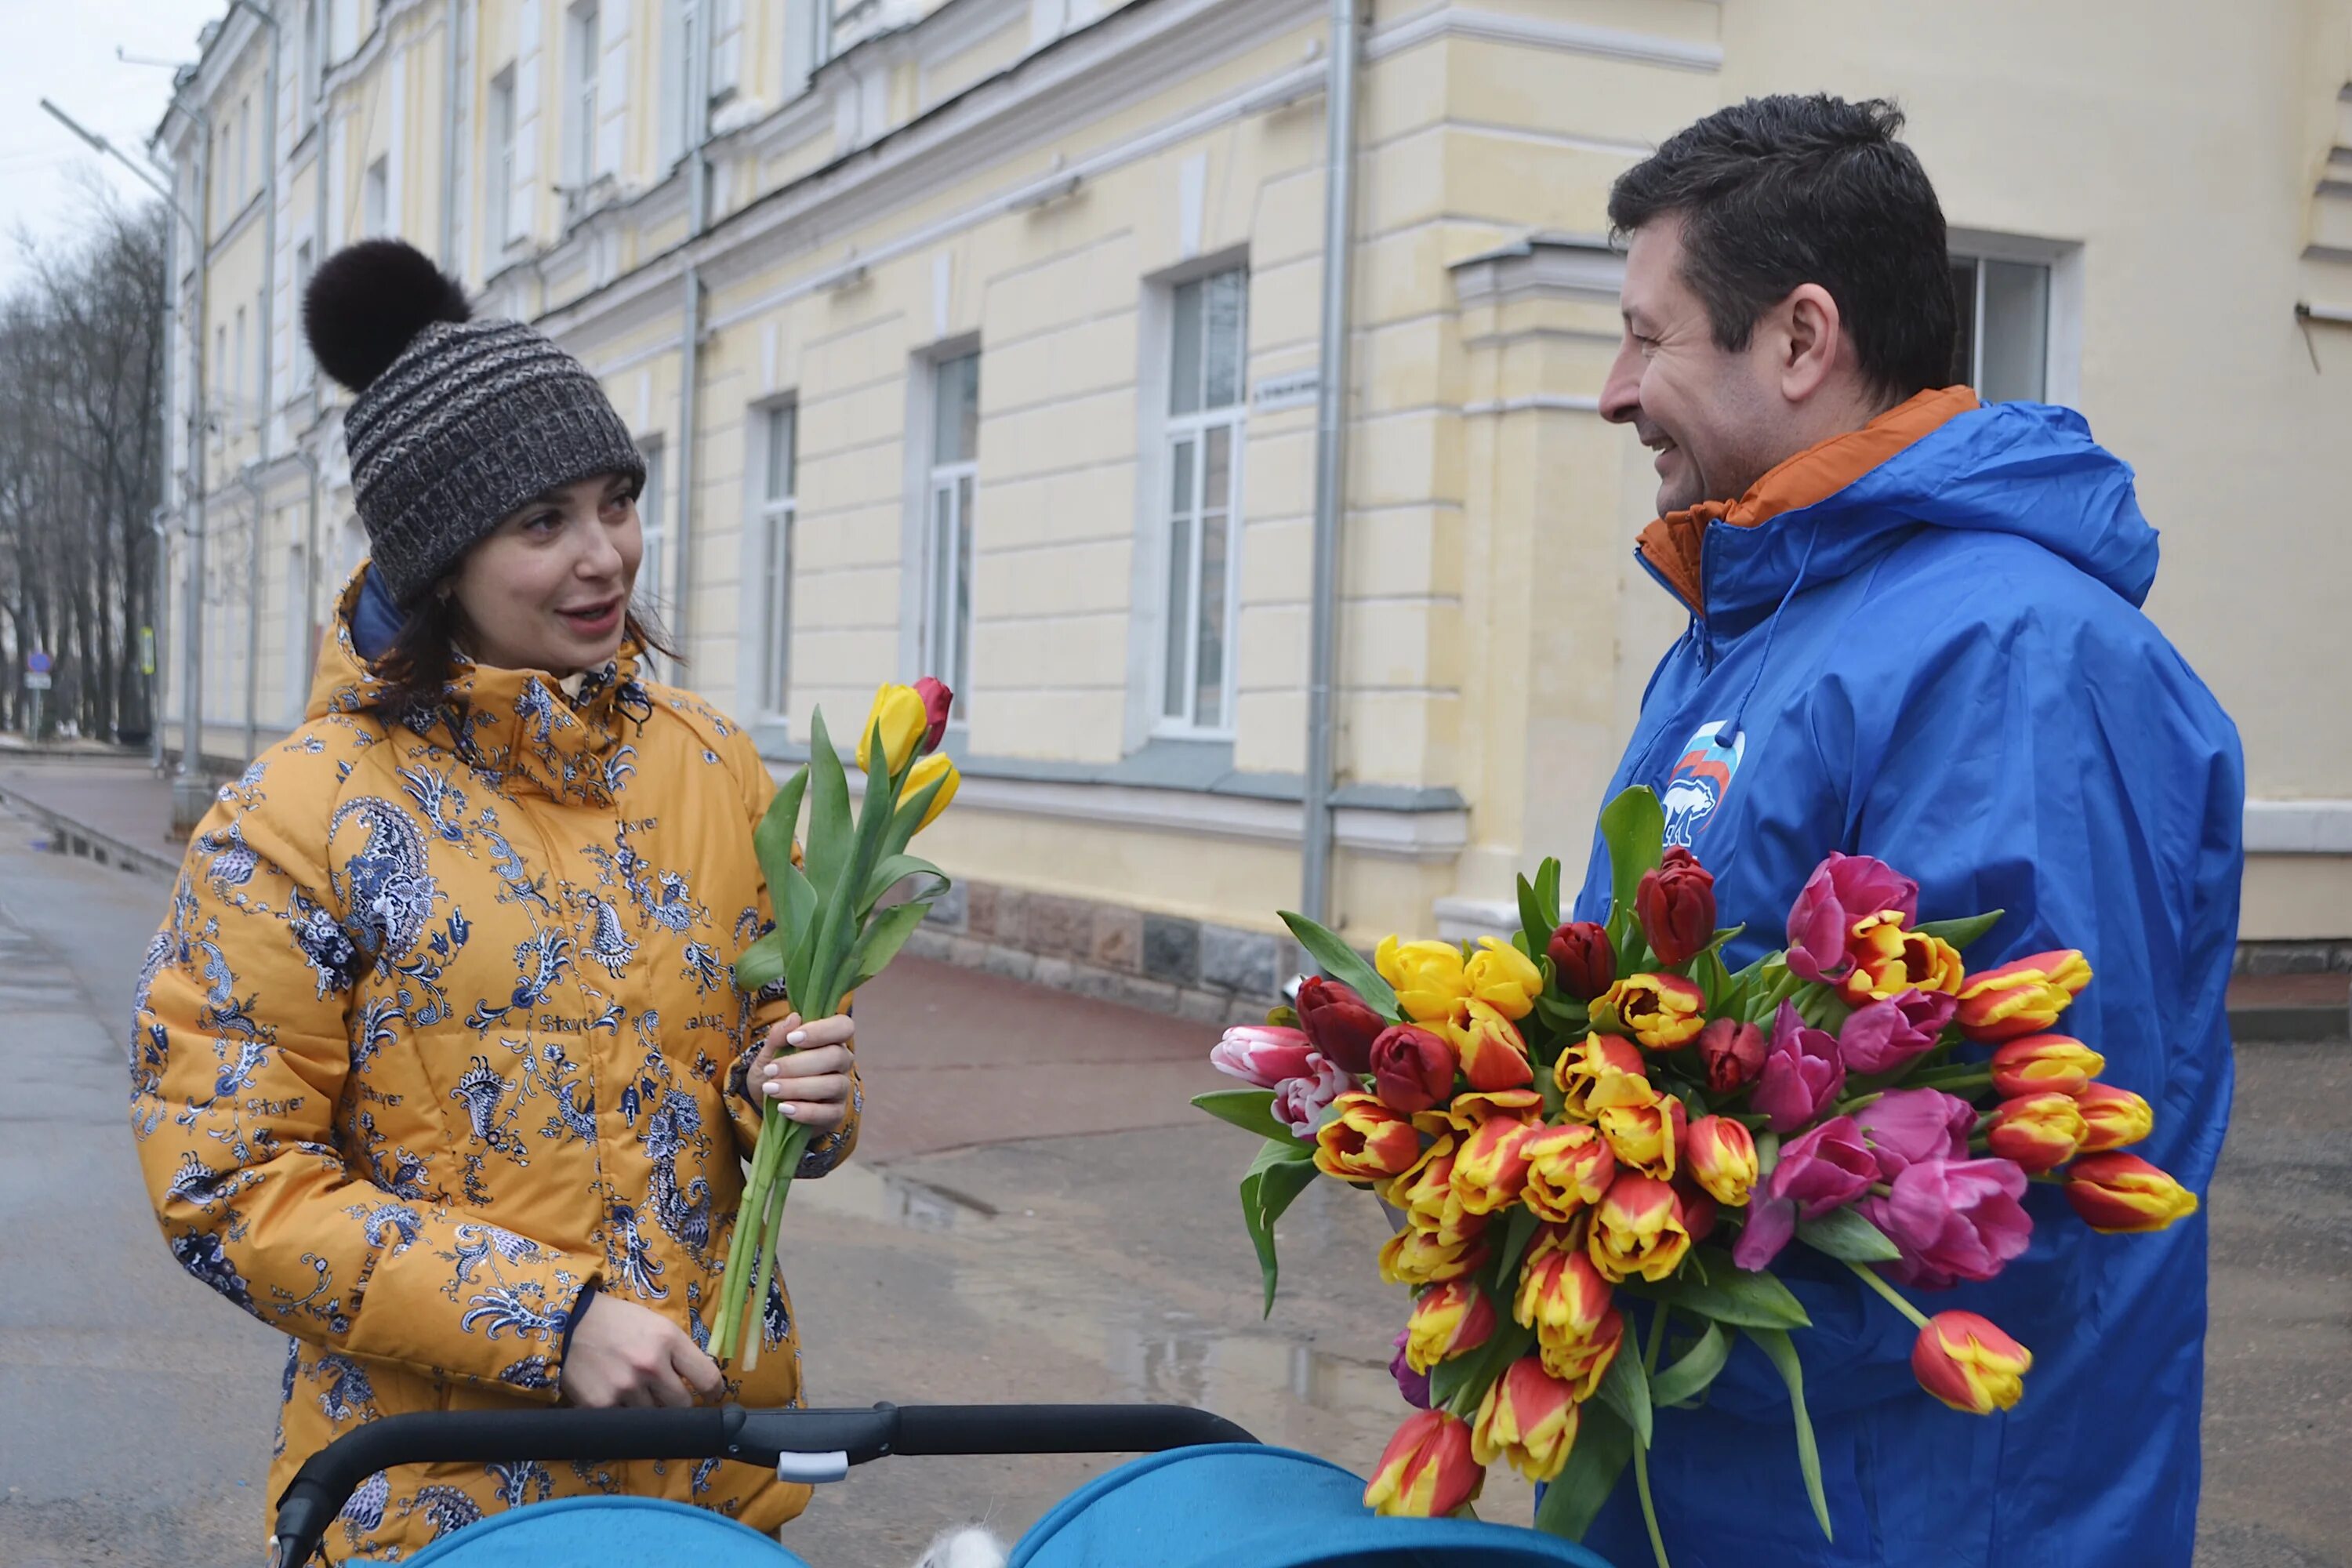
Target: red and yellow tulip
1638,1229
1426,1195
2112,1118
2118,1194
1661,1012
1449,1319
2044,1064
1889,959
1646,1138
1969,1365
2021,998
1494,1055
1569,1167
1417,1257
1527,1418
1722,1158
2038,1131
1492,1167
1426,1471
1600,1071
1365,1141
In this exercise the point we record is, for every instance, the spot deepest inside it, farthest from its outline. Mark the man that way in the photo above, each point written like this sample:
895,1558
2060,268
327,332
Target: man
1915,634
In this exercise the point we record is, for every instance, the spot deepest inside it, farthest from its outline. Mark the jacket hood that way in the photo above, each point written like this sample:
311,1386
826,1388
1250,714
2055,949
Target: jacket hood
517,725
2024,469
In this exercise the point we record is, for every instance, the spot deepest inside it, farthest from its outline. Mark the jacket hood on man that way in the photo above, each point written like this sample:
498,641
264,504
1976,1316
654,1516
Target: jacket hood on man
440,1035
1936,656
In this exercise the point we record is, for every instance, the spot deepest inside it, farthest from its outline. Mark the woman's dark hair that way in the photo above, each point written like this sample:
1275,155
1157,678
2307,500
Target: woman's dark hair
1779,191
416,670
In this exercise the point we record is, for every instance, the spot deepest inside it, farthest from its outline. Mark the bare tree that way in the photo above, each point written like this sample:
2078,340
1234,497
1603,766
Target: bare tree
81,377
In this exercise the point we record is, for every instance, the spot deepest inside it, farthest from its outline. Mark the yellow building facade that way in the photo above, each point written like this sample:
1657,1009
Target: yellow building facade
981,337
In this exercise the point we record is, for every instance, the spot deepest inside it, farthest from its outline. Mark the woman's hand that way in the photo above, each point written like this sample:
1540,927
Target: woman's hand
805,1070
622,1353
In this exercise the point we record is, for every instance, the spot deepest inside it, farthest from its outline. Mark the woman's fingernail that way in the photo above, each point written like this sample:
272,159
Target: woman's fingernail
796,1037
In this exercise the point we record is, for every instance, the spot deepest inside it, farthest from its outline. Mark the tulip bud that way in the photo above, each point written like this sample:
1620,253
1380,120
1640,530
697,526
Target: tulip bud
1676,904
1425,1194
2112,1118
1843,890
1584,960
933,769
2037,1132
1365,1141
1426,1471
1449,1319
1411,1387
1428,977
2119,1193
898,712
1600,1071
2021,998
1413,1068
1342,1024
1582,1363
938,701
1733,1053
1298,1101
1569,1168
2044,1063
1661,1012
1638,1229
1528,1418
1504,978
1415,1256
1566,1301
1262,1053
1966,1362
1492,1167
1723,1159
1494,1053
1646,1138
1695,1208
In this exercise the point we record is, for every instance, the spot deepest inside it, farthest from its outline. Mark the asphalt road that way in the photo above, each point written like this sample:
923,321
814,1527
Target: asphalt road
1105,1261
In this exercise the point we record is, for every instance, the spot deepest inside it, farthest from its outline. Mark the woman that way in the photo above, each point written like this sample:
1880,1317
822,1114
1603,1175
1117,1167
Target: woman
437,1064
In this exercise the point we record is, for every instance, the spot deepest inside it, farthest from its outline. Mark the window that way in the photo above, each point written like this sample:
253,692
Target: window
303,263
244,154
1203,446
955,445
237,373
804,30
220,371
654,526
778,504
681,36
375,215
2003,348
306,96
580,134
499,168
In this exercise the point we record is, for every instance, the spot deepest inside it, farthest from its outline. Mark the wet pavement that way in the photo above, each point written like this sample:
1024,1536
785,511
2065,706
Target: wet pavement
1035,1215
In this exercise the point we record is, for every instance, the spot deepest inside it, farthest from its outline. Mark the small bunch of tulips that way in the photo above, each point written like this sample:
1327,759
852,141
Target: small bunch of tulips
1597,1135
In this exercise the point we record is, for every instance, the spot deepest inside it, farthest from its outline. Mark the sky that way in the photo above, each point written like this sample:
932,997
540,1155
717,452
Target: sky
64,50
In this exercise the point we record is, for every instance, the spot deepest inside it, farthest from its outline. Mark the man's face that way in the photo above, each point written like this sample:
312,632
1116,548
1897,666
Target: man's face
1707,413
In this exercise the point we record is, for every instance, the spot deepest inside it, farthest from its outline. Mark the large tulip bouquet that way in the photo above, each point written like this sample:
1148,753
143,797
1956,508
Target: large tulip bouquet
833,934
1592,1118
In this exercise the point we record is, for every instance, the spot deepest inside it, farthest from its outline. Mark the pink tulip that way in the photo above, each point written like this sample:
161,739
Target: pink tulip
1299,1103
1801,1076
1883,1036
1262,1053
1826,1169
1413,1386
1905,1127
1843,890
1954,1220
1770,1223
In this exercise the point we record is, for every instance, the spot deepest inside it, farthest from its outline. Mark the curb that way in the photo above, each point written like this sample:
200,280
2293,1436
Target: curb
86,842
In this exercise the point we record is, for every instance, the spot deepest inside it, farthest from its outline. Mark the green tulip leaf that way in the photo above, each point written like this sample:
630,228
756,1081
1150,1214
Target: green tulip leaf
1343,963
1848,1238
1689,1378
1604,1446
1776,1344
1251,1109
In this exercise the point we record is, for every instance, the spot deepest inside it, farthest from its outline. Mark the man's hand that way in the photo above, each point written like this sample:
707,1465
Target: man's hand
805,1069
622,1353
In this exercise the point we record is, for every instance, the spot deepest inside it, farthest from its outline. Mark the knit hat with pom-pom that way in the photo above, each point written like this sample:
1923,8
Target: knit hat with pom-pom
457,422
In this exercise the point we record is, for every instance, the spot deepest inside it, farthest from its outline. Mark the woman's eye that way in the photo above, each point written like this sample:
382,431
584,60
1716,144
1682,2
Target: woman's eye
545,522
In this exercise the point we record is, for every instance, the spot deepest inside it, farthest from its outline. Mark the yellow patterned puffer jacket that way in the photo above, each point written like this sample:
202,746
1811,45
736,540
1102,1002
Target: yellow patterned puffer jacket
440,1032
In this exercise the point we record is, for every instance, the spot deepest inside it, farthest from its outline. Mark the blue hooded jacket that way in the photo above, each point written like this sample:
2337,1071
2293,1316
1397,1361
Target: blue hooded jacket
1944,663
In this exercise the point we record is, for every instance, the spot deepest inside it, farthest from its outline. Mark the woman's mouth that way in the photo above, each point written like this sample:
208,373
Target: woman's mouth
593,620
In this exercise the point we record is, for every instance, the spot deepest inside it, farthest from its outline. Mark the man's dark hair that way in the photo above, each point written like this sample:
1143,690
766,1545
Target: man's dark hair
1783,191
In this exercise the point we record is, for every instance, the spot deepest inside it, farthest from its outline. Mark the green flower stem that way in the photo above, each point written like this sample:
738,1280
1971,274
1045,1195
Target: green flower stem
1974,1076
1870,1278
1848,1107
1640,1449
793,1141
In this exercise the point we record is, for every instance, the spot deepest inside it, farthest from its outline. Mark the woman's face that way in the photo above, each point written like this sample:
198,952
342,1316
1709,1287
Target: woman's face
549,587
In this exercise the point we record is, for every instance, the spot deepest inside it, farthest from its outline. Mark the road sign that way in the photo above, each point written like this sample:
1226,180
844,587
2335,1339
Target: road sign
37,681
38,662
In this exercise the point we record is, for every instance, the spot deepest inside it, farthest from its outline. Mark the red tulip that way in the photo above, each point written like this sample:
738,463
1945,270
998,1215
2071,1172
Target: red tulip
1676,904
936,701
1413,1068
1972,1366
1733,1053
1583,959
1339,1023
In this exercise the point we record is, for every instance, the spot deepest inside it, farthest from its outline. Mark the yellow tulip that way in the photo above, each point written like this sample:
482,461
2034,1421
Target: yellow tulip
935,766
898,712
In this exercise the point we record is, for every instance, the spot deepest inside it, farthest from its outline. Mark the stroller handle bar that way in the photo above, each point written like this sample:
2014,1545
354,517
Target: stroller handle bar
765,1438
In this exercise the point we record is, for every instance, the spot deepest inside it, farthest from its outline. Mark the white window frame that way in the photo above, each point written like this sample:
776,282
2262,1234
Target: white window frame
1174,433
805,39
2062,377
497,170
244,152
948,498
681,32
376,198
237,372
775,519
583,48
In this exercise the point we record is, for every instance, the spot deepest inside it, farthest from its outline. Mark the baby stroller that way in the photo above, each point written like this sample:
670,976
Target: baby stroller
1208,1495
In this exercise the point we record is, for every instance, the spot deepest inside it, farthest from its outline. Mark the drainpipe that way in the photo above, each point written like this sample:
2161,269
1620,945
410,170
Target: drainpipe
308,632
1330,460
449,125
162,591
249,478
689,352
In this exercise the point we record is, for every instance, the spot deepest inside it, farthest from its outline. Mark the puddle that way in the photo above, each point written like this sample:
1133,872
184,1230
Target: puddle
871,1192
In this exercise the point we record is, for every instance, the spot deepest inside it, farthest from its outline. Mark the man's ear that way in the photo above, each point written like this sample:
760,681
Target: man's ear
1811,338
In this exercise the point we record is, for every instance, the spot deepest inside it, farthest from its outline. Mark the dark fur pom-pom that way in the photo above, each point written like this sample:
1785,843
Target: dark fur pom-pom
369,301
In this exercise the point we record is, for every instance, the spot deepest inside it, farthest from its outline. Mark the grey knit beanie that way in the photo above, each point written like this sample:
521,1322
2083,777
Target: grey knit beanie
457,422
